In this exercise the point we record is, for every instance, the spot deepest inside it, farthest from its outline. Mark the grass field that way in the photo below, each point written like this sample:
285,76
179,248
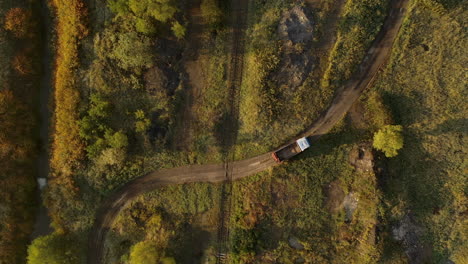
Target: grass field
422,89
425,88
272,113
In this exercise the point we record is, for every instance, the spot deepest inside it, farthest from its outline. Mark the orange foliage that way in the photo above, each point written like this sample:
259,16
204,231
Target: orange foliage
67,147
16,176
19,21
22,63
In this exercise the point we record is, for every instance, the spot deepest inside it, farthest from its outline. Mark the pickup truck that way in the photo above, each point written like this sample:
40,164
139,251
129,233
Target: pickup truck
291,150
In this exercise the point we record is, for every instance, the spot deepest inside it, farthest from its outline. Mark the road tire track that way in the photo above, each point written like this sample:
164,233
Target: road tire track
231,123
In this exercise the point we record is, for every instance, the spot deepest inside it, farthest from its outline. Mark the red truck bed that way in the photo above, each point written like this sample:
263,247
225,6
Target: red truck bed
291,150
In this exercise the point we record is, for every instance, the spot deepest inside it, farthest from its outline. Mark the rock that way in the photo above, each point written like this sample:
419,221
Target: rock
295,27
350,204
295,243
42,182
361,158
295,30
335,196
409,233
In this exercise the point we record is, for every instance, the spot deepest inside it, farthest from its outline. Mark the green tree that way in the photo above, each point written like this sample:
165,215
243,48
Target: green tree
133,51
120,7
142,123
145,252
145,25
145,12
117,140
161,10
389,140
178,29
211,12
53,249
167,261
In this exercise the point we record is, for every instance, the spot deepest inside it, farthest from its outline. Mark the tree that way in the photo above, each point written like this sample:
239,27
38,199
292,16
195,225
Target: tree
161,10
117,140
389,140
142,123
19,22
53,249
22,63
178,29
145,252
167,261
145,13
211,12
133,51
145,25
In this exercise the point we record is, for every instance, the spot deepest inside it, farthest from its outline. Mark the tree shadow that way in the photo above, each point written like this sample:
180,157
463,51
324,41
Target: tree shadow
225,131
189,244
459,125
405,109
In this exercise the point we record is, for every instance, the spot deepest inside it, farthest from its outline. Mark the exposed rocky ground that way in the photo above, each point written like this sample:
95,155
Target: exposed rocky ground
361,158
296,31
409,233
350,203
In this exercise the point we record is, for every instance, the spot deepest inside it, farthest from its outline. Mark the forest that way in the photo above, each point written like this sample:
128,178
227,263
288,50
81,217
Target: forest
143,85
20,48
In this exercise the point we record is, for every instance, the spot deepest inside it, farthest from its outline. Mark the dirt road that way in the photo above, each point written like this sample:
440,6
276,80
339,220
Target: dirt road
42,223
376,57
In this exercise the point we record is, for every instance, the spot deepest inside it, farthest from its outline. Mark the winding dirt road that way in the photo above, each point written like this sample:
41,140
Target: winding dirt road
376,57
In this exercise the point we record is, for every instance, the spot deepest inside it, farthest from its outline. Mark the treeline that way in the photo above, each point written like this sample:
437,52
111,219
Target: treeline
67,148
19,79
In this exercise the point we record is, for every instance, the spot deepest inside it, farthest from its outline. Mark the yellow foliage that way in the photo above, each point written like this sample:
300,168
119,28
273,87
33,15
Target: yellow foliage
67,146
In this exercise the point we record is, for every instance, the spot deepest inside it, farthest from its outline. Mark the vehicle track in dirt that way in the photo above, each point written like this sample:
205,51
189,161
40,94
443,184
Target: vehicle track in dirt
230,123
193,80
375,58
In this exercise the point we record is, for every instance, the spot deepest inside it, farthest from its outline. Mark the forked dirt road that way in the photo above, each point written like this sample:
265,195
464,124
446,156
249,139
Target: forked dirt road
376,57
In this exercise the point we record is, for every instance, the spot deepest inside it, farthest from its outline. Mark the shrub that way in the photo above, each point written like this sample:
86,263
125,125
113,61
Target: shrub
111,156
144,12
142,124
117,140
161,10
178,29
53,249
167,261
389,139
145,252
211,12
22,63
132,51
145,26
19,22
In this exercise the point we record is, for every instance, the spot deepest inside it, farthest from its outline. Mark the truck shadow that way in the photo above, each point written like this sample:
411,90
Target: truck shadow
325,144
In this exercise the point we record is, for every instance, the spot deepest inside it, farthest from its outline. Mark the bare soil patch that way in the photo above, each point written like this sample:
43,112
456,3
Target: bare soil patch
362,158
295,31
194,79
335,196
355,116
410,234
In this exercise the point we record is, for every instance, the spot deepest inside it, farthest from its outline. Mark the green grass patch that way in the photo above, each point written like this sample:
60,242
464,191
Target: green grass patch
424,86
